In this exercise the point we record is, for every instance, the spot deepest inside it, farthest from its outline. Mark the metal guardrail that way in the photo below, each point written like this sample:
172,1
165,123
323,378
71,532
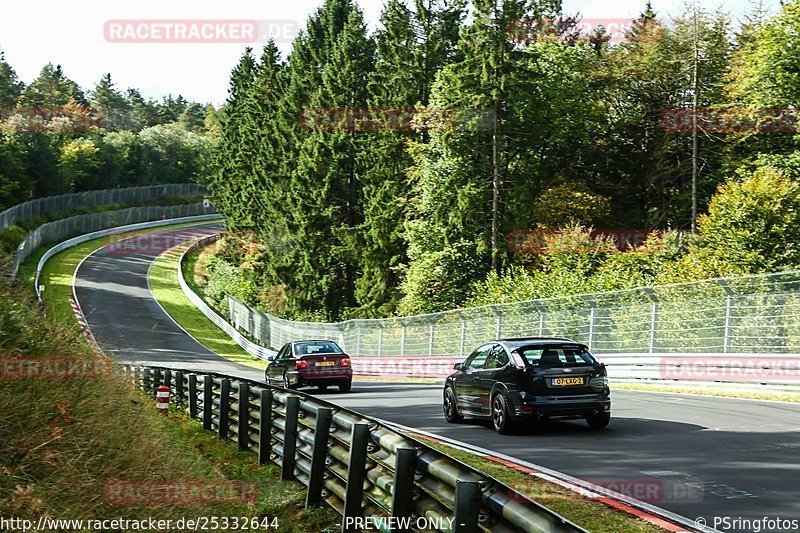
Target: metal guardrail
57,231
81,200
353,463
108,232
247,345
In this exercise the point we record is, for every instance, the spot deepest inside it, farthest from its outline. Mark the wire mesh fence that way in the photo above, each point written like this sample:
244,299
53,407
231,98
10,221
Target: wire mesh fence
749,314
54,232
65,203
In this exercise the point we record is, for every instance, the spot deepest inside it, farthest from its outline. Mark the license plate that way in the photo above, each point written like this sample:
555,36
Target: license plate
325,363
567,382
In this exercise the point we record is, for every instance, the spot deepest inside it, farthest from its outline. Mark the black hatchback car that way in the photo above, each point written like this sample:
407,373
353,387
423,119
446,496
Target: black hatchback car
514,380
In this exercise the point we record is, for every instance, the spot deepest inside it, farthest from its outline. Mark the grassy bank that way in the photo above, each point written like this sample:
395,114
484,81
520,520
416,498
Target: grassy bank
63,440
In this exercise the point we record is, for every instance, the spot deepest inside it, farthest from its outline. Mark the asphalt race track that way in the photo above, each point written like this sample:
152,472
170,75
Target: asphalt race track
695,456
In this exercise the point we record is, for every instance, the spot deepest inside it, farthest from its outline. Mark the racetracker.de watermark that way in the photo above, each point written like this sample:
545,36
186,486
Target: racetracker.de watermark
535,240
54,367
682,120
644,489
609,29
180,492
734,368
199,31
384,119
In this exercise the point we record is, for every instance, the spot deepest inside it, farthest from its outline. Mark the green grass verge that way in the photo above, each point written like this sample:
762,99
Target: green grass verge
166,290
590,514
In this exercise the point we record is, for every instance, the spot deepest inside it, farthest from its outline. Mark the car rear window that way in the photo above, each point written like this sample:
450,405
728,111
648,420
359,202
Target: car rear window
554,356
311,348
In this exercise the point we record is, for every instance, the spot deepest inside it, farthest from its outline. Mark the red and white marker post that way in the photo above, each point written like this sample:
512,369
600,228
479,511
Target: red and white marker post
162,399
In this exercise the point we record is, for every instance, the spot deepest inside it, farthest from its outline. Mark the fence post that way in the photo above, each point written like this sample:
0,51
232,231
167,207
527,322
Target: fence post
290,437
541,312
208,401
193,395
653,318
243,429
467,506
463,338
356,472
380,338
319,452
498,322
726,338
265,427
591,320
431,334
224,407
403,494
403,340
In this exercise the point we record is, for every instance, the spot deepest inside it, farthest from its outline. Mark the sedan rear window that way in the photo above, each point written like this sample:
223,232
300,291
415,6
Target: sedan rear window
555,356
312,348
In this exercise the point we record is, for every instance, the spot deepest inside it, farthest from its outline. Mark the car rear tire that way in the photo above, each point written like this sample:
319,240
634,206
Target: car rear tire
500,417
286,384
451,407
346,386
598,420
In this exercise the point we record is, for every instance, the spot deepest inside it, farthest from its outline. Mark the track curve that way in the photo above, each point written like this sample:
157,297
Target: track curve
697,456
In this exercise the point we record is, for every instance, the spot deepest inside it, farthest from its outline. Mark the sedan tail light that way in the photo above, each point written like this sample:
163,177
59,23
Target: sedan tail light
345,362
300,364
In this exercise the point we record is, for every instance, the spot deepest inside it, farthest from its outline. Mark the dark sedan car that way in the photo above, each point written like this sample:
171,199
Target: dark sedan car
515,380
310,363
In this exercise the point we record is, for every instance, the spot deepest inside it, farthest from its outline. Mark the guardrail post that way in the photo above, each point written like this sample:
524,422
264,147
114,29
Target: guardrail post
265,427
726,337
316,478
193,395
403,494
290,437
146,378
243,433
179,386
167,378
224,407
356,472
467,506
156,379
208,401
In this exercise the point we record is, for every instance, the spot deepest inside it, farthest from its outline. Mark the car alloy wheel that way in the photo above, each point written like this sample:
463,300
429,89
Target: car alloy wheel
500,418
450,408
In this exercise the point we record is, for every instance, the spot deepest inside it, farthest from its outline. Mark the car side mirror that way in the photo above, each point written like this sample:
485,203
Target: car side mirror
458,366
270,358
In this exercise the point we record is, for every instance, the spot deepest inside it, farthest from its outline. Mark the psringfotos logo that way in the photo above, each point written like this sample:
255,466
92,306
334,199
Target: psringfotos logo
199,31
54,367
732,368
179,492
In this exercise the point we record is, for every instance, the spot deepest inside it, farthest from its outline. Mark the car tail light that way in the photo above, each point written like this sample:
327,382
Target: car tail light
300,364
345,362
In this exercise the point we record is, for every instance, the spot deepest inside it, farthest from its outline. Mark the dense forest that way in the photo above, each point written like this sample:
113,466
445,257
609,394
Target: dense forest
56,138
377,173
